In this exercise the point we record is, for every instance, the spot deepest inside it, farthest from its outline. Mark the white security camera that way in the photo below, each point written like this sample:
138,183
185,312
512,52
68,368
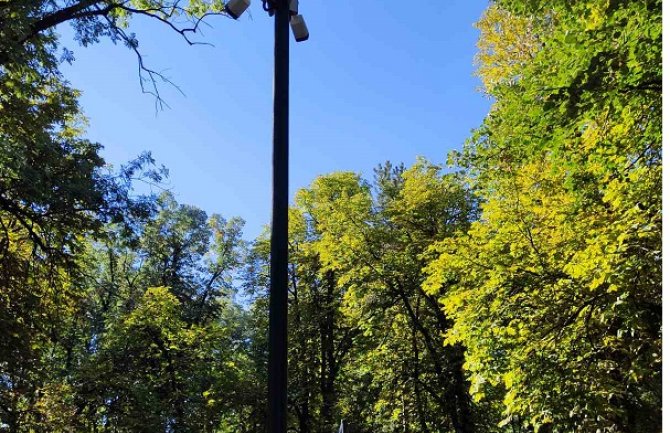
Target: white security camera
299,28
235,8
293,7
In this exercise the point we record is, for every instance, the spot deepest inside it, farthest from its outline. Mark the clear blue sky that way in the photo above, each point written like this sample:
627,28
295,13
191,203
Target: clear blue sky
375,82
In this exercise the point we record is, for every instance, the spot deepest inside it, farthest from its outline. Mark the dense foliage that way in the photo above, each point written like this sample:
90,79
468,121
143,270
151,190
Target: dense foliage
517,290
564,265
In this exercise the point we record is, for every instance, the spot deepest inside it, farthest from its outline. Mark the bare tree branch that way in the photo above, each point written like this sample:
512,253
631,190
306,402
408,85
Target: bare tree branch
166,14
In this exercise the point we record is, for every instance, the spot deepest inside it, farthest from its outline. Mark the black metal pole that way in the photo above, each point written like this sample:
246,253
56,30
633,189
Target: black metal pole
278,356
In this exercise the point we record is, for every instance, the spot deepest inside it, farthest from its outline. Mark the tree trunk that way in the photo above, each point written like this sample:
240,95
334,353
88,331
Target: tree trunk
328,367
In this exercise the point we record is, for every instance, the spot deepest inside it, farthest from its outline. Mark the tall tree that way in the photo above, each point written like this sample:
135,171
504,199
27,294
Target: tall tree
161,351
54,192
556,290
319,337
371,243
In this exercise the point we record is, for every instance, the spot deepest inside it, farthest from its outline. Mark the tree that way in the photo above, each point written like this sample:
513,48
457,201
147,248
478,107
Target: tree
555,291
319,337
54,191
44,220
102,350
194,256
164,358
155,372
366,248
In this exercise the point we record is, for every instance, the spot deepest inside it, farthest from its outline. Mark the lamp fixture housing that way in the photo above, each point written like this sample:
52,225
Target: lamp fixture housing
299,28
235,8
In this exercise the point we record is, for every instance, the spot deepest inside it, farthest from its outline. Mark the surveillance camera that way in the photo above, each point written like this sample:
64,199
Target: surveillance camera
299,28
235,8
293,7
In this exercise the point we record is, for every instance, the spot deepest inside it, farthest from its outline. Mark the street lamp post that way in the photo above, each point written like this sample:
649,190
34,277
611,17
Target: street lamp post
285,12
278,354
